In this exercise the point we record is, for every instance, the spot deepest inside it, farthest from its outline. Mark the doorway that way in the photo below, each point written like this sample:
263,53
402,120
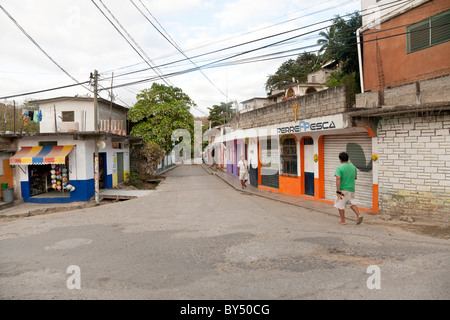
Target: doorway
308,165
102,170
120,175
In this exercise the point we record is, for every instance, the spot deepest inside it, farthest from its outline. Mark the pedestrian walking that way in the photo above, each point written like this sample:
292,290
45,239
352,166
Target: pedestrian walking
243,171
345,188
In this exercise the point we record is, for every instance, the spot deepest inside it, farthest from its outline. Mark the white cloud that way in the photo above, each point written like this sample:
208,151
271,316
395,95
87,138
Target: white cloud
80,39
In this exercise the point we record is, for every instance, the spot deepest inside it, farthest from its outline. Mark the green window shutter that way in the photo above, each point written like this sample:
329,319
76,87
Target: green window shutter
440,27
419,36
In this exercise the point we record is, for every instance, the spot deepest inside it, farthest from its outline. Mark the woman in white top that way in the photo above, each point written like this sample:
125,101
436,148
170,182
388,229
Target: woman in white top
243,171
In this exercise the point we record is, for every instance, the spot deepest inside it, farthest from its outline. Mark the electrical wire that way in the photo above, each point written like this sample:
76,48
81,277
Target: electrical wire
213,65
391,4
174,44
117,29
40,48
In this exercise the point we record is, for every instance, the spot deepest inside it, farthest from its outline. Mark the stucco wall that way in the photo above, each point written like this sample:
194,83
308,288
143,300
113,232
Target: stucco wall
398,66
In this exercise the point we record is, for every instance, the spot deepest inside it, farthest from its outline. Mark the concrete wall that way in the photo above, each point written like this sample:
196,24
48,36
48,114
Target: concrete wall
414,166
47,125
83,112
428,91
322,103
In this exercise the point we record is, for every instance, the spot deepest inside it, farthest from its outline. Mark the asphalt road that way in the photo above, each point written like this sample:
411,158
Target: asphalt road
198,238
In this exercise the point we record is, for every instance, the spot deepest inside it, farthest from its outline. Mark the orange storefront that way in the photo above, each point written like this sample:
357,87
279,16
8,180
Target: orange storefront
299,159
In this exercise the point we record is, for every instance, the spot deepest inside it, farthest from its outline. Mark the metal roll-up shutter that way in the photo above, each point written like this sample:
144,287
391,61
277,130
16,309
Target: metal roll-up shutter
359,148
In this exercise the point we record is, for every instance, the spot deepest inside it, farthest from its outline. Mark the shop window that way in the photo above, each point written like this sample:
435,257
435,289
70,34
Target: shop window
428,32
50,180
68,116
270,158
288,156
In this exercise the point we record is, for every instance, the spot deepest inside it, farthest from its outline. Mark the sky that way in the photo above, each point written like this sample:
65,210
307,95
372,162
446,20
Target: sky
204,49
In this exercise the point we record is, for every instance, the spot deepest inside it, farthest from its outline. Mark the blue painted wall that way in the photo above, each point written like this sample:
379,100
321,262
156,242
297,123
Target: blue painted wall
84,191
108,182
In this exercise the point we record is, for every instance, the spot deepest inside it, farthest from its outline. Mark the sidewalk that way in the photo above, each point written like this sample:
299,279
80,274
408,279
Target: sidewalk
288,199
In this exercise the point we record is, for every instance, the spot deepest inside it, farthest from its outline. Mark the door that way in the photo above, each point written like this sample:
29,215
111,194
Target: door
359,148
120,176
308,151
102,170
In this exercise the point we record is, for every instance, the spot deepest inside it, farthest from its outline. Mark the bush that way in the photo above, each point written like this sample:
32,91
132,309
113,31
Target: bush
147,157
135,180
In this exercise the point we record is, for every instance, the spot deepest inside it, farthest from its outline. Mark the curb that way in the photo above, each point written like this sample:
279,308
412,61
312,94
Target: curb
212,172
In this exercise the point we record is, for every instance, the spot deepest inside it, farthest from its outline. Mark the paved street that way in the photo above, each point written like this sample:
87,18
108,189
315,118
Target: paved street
196,237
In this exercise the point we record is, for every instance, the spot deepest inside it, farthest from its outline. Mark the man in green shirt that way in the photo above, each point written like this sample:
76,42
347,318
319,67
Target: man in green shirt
345,188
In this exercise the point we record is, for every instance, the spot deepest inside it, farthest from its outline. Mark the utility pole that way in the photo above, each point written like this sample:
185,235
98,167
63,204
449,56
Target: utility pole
110,107
96,160
14,119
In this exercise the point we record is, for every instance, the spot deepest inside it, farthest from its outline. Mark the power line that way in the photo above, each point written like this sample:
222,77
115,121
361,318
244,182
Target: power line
44,90
215,64
39,47
172,42
391,4
210,65
117,29
246,33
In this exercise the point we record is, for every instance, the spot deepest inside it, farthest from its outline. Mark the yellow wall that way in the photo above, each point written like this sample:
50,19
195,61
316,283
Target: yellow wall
7,175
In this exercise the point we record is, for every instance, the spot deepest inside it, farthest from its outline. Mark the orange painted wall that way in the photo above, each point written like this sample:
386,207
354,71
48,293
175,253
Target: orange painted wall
7,175
400,67
290,185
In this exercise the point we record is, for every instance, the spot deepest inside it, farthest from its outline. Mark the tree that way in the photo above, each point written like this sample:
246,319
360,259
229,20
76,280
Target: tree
327,42
344,48
158,112
220,114
147,157
9,122
297,69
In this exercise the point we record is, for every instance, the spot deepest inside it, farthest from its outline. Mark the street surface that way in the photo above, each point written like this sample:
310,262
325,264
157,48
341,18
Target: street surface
198,238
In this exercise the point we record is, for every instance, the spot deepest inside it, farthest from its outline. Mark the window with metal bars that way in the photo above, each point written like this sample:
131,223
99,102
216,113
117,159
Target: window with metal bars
68,116
429,32
288,156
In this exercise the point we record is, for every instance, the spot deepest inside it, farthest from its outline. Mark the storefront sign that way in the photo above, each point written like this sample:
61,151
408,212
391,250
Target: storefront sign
315,124
304,126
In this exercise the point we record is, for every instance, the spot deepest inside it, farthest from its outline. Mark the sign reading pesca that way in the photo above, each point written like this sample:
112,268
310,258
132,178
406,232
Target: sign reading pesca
304,126
337,121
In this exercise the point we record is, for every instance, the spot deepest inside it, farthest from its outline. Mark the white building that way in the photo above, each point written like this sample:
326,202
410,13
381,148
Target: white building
57,165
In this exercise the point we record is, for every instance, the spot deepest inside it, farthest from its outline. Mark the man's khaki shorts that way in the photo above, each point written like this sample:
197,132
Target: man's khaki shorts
348,200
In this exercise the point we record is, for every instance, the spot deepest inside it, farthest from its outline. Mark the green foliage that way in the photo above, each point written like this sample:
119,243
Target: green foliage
344,47
298,69
134,179
336,78
146,159
220,114
328,42
7,118
160,111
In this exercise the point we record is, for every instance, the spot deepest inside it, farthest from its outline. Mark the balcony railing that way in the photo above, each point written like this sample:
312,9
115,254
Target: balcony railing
118,127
